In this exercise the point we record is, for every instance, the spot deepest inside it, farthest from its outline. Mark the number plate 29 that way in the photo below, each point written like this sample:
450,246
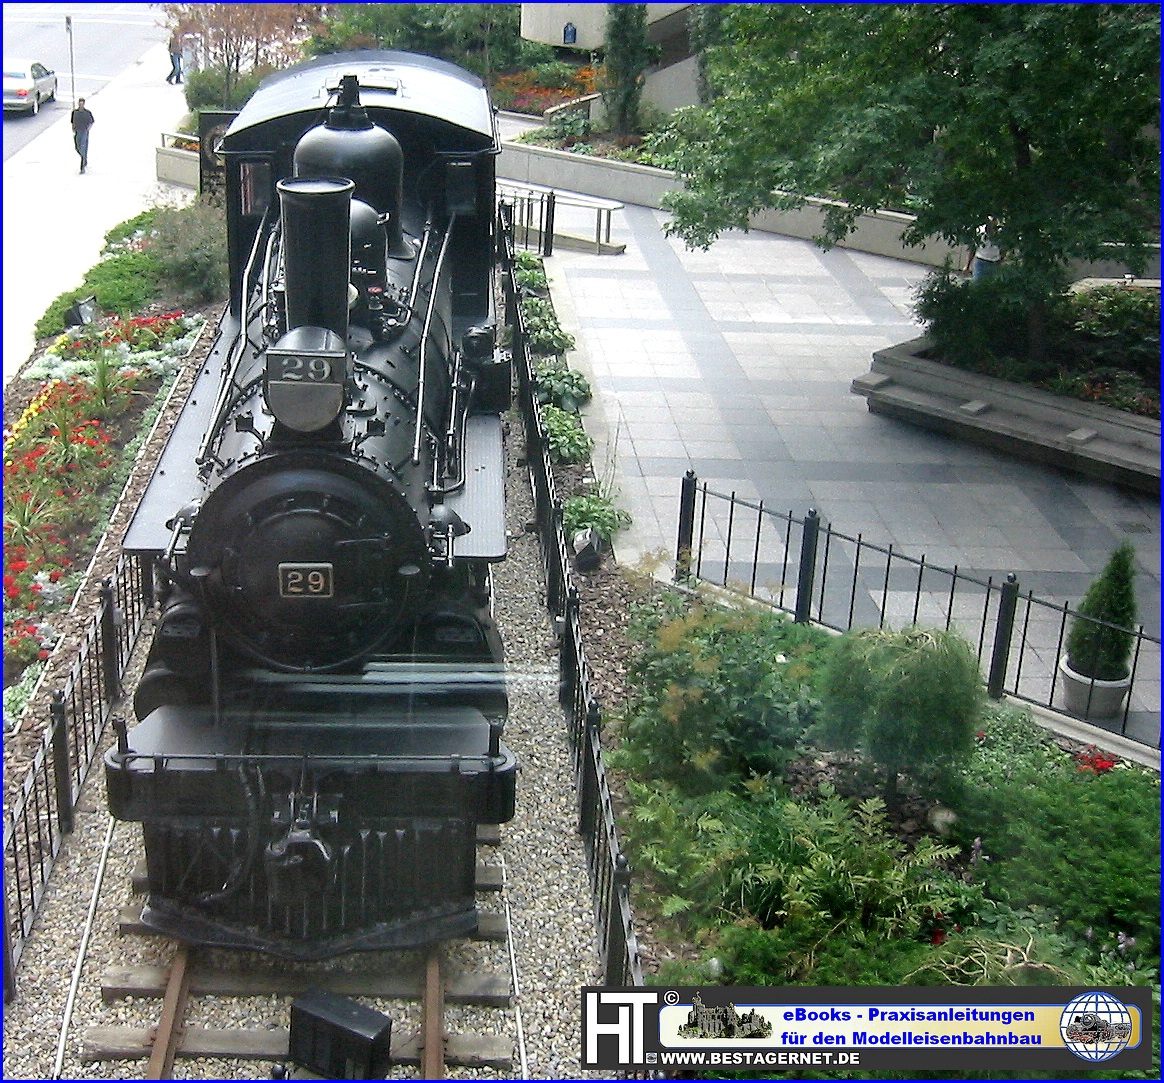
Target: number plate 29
305,581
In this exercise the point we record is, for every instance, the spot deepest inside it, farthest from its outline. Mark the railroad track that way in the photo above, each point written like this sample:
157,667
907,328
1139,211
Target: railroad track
449,975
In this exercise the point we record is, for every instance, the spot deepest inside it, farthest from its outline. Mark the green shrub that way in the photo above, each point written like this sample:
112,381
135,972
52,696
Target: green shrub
719,695
569,125
982,326
596,512
127,230
1099,345
1100,641
1064,833
568,441
910,701
565,388
190,246
1118,328
814,871
206,88
554,75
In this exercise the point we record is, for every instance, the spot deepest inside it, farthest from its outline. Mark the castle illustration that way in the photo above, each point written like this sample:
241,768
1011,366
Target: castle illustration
724,1022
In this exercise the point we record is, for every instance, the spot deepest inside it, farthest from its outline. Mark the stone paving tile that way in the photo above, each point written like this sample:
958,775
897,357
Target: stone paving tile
737,362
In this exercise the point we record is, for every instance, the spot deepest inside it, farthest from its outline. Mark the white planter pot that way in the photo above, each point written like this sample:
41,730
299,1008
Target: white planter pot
1088,697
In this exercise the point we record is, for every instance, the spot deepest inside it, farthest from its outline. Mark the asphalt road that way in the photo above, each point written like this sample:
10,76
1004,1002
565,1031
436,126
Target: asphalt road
106,39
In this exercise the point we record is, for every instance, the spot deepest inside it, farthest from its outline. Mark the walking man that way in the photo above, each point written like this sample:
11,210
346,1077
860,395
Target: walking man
82,121
175,75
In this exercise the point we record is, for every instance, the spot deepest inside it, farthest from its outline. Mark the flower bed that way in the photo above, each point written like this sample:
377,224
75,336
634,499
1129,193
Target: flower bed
65,457
538,89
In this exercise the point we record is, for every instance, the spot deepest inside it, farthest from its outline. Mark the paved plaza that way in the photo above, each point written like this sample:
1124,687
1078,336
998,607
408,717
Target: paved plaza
736,363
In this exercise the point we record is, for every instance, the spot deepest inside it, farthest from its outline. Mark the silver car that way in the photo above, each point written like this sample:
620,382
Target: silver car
26,85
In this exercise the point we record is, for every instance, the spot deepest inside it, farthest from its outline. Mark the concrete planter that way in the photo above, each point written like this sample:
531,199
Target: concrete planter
1089,697
176,166
1095,440
878,233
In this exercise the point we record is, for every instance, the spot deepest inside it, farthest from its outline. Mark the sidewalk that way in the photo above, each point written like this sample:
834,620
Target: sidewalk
55,219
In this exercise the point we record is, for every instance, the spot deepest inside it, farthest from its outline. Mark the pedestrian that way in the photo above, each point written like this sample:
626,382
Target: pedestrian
986,256
82,121
175,75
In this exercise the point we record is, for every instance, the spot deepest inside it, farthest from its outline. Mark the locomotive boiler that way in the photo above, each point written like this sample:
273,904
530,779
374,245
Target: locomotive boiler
321,709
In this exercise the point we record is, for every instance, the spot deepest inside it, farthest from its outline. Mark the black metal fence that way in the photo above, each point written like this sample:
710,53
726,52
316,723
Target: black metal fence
608,868
806,567
42,813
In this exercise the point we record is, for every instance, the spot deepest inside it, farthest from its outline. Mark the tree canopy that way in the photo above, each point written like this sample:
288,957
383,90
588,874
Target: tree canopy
236,38
485,38
1042,116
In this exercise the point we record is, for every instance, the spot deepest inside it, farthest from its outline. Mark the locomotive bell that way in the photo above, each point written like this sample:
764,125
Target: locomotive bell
348,144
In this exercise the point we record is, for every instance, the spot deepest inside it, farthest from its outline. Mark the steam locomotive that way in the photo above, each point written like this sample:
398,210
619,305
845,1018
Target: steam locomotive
321,709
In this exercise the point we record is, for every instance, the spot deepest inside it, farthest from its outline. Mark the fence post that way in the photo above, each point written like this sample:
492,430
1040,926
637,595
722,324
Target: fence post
807,573
588,811
109,664
686,527
61,773
548,232
616,933
1003,630
9,961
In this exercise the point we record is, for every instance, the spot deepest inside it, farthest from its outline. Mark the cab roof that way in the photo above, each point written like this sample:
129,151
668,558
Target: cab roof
403,82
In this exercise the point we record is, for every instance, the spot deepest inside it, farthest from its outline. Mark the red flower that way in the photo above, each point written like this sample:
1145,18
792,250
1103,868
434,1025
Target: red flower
939,937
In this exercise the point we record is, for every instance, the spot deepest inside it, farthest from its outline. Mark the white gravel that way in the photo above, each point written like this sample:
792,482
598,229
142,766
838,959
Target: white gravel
553,932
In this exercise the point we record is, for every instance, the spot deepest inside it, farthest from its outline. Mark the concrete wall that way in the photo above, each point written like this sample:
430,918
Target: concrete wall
878,234
544,22
670,88
645,186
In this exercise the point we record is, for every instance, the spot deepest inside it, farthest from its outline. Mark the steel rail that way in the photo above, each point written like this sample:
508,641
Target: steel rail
83,949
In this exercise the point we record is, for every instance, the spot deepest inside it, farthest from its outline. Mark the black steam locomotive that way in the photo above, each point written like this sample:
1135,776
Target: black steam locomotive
320,714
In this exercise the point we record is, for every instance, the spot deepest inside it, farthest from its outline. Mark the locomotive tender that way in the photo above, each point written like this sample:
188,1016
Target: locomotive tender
320,713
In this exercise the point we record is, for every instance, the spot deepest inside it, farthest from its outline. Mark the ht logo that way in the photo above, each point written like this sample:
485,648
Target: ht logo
618,1013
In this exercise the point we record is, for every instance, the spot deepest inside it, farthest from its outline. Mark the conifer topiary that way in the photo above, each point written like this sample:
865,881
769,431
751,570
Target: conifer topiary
1099,644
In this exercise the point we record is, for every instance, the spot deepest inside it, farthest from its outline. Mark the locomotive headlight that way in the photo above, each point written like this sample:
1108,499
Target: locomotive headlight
304,378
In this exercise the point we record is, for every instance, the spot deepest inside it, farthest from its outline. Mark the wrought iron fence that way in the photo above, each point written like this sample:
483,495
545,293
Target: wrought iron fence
607,865
806,567
42,813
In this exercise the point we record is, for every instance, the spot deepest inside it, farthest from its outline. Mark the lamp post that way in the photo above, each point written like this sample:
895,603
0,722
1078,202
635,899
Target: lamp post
72,65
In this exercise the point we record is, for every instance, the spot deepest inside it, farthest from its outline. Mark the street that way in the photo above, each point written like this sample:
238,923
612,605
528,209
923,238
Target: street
54,219
106,39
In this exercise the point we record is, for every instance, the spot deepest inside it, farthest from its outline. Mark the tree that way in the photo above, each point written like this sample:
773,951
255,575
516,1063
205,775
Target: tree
1044,116
704,29
628,53
484,38
235,38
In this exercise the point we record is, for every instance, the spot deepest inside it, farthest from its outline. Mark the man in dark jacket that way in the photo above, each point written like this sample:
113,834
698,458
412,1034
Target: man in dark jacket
82,121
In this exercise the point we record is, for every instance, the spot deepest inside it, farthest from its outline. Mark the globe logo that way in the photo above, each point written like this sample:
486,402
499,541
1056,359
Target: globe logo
1095,1026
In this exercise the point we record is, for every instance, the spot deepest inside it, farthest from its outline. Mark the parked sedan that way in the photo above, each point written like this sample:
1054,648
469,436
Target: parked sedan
26,85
